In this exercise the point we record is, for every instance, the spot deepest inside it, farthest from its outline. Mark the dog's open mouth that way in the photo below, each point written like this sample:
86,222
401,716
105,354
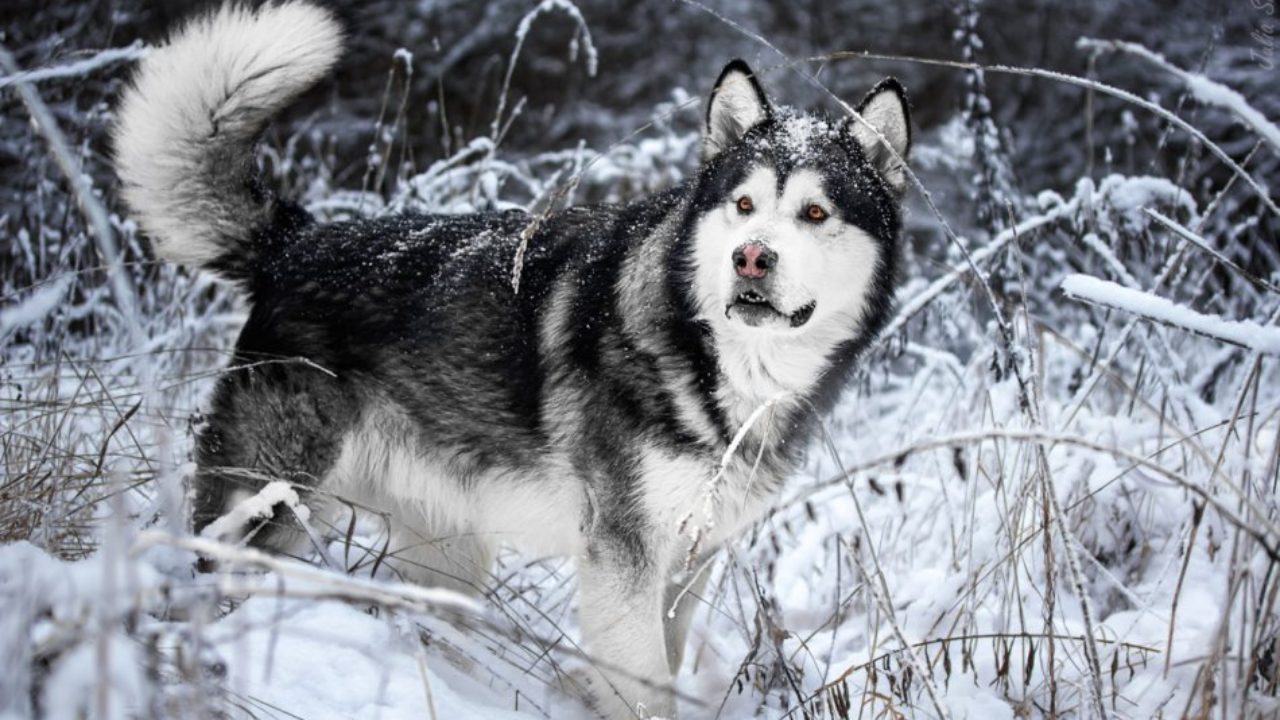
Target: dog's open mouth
755,309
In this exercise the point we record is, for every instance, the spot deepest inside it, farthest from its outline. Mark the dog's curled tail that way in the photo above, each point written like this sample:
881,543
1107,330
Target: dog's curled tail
189,123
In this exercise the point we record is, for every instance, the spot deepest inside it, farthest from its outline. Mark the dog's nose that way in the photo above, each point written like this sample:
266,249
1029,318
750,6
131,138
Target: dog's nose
754,260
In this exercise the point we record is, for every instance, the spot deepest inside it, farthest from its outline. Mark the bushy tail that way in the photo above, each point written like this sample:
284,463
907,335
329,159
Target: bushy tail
184,141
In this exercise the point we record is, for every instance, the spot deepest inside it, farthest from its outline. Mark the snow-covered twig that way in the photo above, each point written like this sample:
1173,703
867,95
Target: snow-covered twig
1185,233
713,486
1070,545
880,587
1202,88
78,68
921,300
36,306
924,644
81,185
1085,83
1167,272
522,31
256,507
1243,333
378,592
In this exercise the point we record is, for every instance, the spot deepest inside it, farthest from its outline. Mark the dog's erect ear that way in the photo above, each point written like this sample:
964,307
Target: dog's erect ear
737,104
885,110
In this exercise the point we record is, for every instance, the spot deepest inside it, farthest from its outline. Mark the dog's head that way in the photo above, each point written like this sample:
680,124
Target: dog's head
796,217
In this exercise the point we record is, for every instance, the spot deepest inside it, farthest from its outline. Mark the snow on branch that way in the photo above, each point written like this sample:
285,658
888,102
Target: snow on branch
82,185
1126,196
920,301
101,59
36,307
1186,234
312,581
257,507
1244,333
522,32
1201,87
1086,83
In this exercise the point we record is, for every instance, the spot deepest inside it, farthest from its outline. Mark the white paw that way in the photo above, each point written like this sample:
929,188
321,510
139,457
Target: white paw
607,699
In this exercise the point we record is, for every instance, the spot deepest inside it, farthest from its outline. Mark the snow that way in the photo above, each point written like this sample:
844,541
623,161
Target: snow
1245,333
800,131
1156,109
257,507
1212,93
36,306
323,660
287,643
48,604
1104,251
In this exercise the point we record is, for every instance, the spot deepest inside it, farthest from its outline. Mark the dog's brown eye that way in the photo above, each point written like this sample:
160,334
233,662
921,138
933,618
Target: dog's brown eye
745,205
815,213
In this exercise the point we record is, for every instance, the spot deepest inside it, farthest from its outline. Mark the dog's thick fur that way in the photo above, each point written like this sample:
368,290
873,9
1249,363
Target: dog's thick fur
588,413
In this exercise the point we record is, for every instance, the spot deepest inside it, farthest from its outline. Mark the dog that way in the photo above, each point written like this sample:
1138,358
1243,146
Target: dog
635,401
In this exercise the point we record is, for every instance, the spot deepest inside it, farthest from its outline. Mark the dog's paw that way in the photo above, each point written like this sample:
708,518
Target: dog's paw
583,682
604,700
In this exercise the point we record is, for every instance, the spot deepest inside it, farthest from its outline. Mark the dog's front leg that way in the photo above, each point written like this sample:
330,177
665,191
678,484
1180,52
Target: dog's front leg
620,608
680,602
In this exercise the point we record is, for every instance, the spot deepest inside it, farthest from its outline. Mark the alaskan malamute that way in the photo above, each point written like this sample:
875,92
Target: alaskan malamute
637,399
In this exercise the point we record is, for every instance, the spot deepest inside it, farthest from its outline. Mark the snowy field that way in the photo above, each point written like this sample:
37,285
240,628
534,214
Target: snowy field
1050,492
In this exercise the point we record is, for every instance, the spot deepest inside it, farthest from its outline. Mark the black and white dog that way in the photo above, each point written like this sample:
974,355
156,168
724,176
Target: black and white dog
637,400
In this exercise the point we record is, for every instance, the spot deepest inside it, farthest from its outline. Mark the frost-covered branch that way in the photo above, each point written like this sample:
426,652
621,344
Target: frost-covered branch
256,507
922,300
1202,88
82,186
377,592
1243,333
522,31
78,68
36,306
1087,84
1187,234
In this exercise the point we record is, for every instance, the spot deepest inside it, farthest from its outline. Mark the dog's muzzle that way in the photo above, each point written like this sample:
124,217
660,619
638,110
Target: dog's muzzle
755,310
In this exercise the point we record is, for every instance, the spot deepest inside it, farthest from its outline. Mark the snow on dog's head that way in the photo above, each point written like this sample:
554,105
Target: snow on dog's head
796,216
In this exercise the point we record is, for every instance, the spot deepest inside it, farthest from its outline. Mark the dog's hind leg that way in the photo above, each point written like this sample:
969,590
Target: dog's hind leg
270,422
413,549
409,504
